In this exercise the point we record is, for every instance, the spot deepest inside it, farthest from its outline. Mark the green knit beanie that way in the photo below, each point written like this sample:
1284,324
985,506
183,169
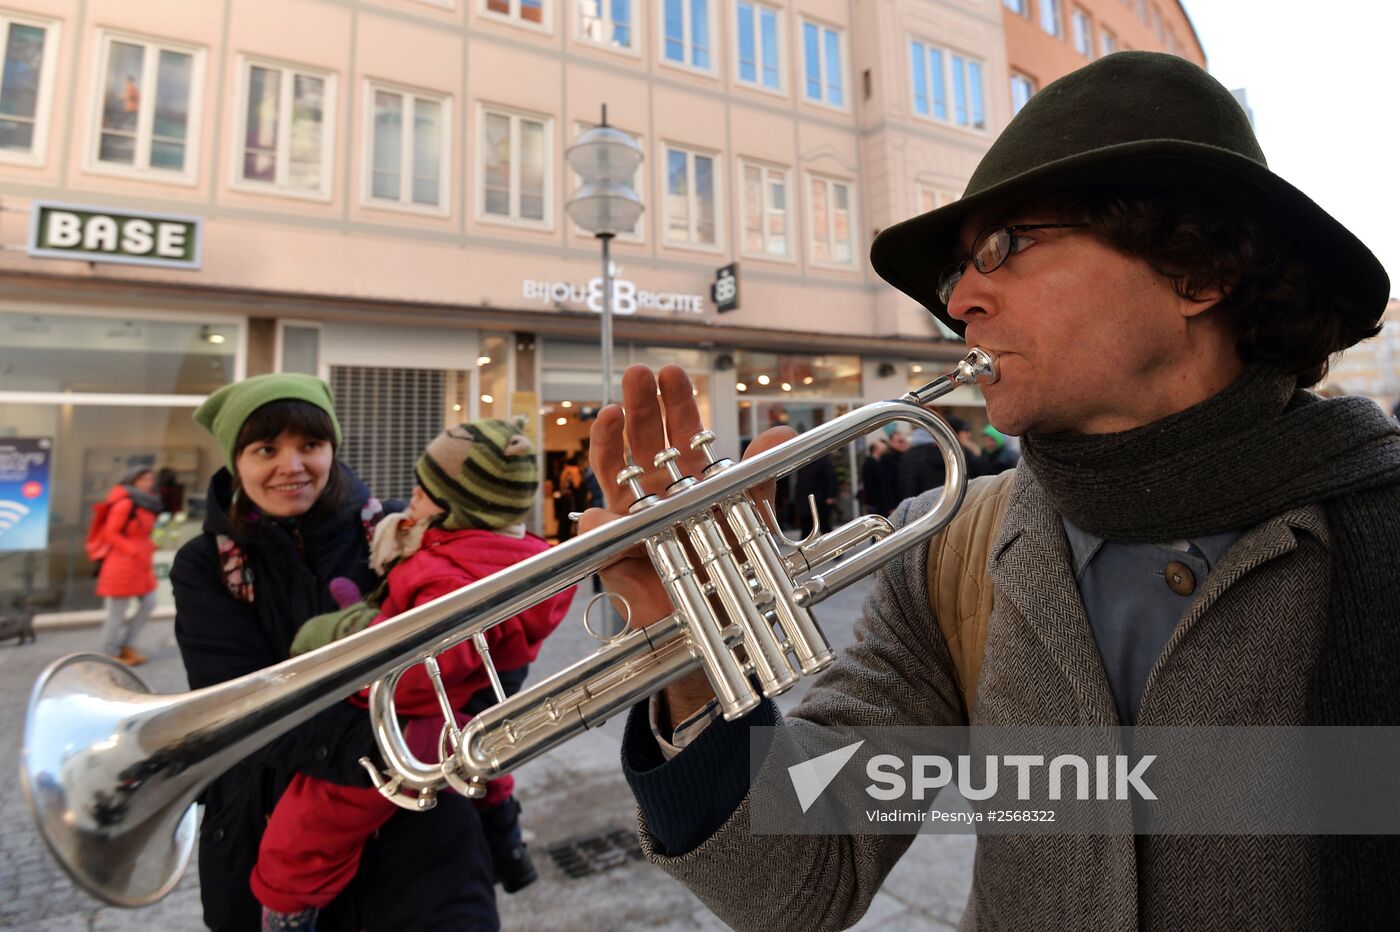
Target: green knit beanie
997,436
224,412
483,474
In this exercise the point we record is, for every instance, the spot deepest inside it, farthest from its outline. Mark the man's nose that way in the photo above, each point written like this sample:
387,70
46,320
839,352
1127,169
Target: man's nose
970,296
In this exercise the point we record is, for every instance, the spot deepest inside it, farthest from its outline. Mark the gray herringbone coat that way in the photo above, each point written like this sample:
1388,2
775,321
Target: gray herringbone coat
1240,656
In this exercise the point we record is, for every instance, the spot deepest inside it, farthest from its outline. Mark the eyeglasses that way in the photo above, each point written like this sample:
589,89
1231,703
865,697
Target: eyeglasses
990,251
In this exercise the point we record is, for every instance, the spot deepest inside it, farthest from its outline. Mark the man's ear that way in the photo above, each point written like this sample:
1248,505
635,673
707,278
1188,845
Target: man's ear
1203,301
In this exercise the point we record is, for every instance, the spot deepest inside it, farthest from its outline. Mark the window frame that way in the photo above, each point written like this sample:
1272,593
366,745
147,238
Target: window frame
842,52
145,121
632,49
949,86
1078,16
781,65
237,182
745,163
688,17
406,147
1030,83
639,179
830,181
1021,8
717,167
932,193
43,100
1059,17
513,18
1107,37
481,215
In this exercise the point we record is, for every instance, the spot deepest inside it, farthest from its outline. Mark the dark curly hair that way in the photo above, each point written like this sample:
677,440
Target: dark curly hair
1281,306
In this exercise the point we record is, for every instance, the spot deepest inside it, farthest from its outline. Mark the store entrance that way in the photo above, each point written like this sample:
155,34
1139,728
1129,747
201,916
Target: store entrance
791,503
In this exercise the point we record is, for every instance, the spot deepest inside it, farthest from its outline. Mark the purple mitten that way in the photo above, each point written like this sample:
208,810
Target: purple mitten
345,592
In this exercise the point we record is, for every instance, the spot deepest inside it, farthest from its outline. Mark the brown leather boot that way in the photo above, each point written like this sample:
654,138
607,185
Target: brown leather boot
131,657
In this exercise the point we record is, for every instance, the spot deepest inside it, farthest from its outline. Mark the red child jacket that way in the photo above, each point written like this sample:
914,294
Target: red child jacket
446,561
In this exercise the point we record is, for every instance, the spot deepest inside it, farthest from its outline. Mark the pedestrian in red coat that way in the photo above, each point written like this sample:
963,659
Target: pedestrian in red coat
127,570
476,483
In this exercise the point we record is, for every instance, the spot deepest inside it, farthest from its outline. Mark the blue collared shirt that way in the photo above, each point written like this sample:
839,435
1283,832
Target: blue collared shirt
1132,606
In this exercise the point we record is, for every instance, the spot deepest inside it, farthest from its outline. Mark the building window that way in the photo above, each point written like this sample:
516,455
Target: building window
935,72
690,198
1108,42
26,84
606,22
765,210
287,129
1083,33
931,198
758,45
526,12
821,64
1050,17
831,222
408,148
514,175
1019,7
687,33
1022,88
145,121
1157,24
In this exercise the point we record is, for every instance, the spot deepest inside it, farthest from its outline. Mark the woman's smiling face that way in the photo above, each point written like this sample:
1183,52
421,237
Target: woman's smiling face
285,476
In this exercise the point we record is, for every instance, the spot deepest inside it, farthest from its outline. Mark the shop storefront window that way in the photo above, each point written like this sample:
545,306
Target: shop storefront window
102,396
58,353
493,372
779,375
93,447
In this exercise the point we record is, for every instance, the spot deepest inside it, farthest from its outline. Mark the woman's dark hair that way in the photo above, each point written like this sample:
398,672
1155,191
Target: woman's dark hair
1282,309
265,425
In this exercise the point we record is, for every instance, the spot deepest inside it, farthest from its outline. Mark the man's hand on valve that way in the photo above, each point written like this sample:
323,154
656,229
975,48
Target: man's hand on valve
644,425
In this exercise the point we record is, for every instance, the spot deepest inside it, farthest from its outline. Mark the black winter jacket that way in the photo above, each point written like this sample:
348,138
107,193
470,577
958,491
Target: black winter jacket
423,870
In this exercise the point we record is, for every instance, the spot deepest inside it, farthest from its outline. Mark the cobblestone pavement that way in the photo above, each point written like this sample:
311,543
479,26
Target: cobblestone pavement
926,891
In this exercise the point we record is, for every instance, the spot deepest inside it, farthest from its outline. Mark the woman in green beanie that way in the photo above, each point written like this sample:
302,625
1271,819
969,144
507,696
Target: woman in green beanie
284,519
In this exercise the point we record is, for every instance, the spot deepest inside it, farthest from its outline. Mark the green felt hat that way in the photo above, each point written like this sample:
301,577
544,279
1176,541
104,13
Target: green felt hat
1132,118
224,412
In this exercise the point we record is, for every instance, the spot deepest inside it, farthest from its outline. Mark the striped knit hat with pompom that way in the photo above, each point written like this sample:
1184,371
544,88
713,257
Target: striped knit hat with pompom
483,474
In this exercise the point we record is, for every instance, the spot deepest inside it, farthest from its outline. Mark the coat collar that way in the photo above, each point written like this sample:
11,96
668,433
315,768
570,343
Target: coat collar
1030,565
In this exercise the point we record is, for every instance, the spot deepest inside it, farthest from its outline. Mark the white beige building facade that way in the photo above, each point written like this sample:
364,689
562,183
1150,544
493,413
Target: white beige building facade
373,191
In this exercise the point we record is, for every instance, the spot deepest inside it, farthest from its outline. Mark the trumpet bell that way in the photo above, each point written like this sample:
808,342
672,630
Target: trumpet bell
128,847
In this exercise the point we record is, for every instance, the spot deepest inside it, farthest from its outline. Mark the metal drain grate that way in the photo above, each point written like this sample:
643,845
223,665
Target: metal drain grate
594,854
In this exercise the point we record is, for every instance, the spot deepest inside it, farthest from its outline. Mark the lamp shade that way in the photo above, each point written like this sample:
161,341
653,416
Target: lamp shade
604,207
604,154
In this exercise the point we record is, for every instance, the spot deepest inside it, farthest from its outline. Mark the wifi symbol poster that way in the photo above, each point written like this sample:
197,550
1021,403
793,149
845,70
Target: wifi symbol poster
24,492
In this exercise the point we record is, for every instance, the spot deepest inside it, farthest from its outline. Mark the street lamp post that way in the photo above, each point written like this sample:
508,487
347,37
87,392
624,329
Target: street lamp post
605,205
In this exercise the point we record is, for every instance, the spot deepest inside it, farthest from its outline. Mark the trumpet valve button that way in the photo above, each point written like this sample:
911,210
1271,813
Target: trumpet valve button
630,477
666,459
704,441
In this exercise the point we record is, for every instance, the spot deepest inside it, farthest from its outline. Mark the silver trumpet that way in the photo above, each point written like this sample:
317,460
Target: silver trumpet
111,771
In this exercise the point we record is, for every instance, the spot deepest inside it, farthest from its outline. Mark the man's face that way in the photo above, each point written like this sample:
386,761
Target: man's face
1087,339
899,442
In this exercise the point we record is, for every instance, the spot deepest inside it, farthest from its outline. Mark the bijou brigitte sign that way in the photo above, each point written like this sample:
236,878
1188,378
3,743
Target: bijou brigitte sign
627,298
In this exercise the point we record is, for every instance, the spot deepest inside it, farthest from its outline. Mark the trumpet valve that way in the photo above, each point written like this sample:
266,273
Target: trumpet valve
631,478
667,460
704,442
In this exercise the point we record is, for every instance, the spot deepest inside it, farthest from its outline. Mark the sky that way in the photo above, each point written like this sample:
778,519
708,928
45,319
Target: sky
1321,81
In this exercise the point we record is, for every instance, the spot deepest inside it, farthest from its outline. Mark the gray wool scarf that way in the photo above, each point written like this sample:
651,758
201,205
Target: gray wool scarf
1258,448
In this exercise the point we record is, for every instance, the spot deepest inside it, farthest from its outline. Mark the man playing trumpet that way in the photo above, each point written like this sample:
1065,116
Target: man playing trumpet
1158,302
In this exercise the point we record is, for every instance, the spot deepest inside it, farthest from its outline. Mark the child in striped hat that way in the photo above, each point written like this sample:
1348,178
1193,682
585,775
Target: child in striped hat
475,485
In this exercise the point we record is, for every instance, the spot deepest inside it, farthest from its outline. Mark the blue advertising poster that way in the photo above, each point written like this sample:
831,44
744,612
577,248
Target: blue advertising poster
24,493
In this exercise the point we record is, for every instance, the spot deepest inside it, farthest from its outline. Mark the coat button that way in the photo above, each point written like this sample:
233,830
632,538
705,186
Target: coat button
1180,579
322,752
218,834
